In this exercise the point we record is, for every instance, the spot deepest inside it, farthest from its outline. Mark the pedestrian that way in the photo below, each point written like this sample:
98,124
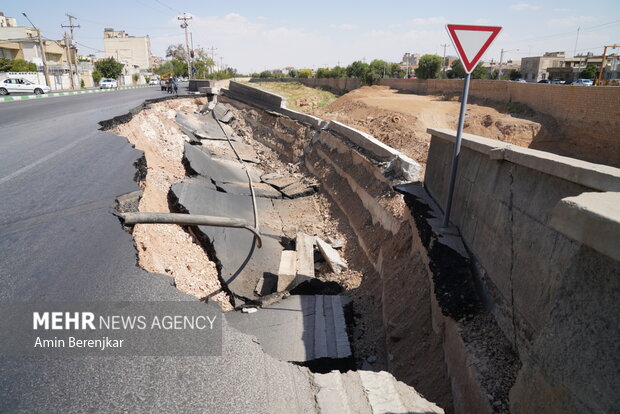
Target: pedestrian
176,86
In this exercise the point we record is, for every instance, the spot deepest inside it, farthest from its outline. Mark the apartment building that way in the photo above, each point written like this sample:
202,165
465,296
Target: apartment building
134,52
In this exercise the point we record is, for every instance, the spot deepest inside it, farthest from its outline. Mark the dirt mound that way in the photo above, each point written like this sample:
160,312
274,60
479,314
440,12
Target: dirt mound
401,120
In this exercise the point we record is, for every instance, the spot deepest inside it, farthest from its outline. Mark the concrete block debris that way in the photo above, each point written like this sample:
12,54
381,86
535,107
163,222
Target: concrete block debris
336,263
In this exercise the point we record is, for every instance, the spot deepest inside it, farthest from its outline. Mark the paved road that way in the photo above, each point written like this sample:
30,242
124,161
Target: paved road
59,175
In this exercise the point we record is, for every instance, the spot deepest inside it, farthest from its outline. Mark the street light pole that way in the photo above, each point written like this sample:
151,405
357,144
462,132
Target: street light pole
42,47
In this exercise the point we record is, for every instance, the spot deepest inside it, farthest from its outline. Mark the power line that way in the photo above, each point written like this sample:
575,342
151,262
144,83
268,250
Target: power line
563,34
168,7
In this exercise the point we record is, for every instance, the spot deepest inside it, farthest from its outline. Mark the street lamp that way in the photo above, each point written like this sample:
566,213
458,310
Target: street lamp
43,58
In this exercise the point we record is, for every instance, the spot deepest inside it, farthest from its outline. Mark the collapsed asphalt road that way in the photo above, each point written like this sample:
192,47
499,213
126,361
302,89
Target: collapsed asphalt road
59,241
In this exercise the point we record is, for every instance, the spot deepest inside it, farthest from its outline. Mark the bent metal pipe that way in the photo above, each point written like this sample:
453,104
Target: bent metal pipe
188,220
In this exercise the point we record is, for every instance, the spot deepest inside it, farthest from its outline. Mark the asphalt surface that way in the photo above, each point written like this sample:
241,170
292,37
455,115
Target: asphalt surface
59,176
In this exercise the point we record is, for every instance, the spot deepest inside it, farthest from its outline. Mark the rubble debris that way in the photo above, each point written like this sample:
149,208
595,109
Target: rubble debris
331,256
249,310
266,285
305,258
222,113
288,270
336,243
298,190
280,182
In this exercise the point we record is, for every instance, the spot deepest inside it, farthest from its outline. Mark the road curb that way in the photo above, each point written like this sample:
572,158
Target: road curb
54,94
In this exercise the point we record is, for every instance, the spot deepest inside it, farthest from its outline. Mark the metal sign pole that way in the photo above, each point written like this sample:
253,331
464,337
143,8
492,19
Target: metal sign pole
457,150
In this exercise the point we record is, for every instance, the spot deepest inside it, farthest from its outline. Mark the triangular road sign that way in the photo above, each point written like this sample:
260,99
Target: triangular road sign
471,42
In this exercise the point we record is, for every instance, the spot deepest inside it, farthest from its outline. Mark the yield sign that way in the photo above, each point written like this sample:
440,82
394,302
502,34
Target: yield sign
471,42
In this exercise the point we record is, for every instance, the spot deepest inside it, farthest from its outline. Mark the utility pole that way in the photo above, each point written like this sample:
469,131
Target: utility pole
69,61
212,49
443,63
501,58
600,73
184,26
71,26
43,57
576,40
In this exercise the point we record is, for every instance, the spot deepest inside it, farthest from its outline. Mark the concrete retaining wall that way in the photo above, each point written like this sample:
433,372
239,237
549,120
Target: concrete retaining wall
548,288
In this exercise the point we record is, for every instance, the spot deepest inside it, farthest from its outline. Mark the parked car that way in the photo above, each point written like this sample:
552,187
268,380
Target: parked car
583,82
107,83
520,80
20,85
154,82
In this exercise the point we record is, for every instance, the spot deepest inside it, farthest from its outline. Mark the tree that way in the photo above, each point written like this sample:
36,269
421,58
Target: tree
109,68
457,70
589,72
395,71
5,64
515,74
305,73
135,77
21,65
96,76
322,73
179,67
337,72
293,73
429,67
357,69
177,51
265,74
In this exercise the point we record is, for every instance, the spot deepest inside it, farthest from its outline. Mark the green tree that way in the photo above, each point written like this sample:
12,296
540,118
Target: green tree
147,79
589,72
21,65
305,73
337,72
5,64
357,69
293,73
82,84
96,76
109,68
179,67
265,74
429,67
135,77
515,74
457,70
322,73
395,71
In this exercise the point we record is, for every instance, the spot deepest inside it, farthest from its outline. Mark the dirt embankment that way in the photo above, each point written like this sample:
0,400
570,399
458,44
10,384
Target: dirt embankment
167,248
400,120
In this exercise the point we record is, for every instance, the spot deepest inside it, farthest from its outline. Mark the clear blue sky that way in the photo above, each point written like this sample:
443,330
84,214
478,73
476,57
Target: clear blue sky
252,35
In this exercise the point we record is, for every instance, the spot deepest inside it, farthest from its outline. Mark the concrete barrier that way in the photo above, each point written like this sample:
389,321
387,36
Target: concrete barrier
543,243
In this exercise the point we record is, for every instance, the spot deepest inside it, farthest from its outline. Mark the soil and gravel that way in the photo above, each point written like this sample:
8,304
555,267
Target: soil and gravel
400,120
166,248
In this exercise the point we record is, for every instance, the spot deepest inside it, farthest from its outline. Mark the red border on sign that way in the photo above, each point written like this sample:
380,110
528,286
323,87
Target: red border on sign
471,64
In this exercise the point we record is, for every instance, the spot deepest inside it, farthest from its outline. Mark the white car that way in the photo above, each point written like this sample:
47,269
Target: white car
106,83
583,82
20,85
154,82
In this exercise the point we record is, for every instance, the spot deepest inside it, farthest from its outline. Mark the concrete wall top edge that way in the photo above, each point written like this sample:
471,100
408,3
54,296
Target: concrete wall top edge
592,219
596,176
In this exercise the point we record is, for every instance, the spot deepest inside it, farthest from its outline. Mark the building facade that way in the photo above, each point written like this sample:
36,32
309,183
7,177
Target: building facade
534,69
133,52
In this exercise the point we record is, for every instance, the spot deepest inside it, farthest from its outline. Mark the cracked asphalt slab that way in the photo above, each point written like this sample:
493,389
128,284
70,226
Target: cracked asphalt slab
59,176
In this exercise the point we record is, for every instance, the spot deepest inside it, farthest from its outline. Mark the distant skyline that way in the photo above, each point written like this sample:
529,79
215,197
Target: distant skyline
254,36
